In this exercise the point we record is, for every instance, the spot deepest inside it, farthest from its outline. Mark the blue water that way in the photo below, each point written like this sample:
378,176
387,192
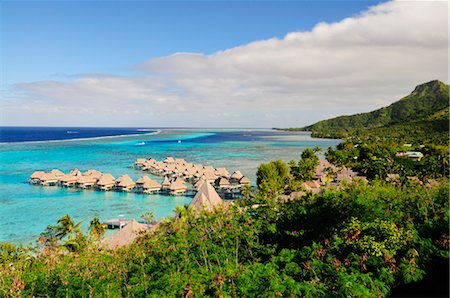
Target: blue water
29,134
26,210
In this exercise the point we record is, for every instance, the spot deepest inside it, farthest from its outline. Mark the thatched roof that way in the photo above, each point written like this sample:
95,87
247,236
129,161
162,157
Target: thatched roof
180,161
57,173
48,177
151,184
94,173
143,179
37,175
169,159
199,183
166,182
106,179
222,172
178,184
244,180
223,182
126,181
86,179
126,235
68,178
236,175
76,172
210,176
140,161
206,198
209,169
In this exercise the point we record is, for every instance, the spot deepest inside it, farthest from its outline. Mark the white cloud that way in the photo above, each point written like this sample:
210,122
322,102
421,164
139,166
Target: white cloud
357,64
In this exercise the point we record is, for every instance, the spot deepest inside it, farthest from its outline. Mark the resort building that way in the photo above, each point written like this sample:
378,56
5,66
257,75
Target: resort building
86,181
126,235
169,160
140,162
222,172
76,173
198,184
140,183
125,183
48,179
57,173
177,187
151,186
222,183
206,198
165,185
68,180
35,178
209,176
244,181
93,173
236,176
106,182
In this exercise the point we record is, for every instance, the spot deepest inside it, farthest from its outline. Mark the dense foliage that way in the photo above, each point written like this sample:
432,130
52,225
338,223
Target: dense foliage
361,241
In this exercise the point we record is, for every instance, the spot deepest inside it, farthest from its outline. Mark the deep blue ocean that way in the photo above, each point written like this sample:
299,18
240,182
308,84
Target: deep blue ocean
25,210
30,134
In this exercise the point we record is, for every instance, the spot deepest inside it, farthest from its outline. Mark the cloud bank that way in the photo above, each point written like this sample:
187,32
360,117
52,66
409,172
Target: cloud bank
357,64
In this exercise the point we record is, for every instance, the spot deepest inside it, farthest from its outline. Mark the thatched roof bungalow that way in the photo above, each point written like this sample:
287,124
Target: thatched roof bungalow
86,181
57,173
106,182
222,182
177,187
244,181
68,180
76,173
222,172
35,178
48,179
166,183
206,198
125,236
151,186
126,183
236,176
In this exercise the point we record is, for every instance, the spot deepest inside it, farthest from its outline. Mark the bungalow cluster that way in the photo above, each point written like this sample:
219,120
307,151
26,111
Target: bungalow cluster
177,169
180,177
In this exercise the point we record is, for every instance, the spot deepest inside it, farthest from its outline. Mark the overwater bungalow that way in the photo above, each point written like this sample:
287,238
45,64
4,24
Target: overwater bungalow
236,176
106,182
222,172
177,187
57,173
139,163
222,183
35,178
93,173
244,181
48,179
209,169
169,160
125,184
141,181
209,176
206,198
198,167
180,161
68,180
165,185
86,181
151,186
76,173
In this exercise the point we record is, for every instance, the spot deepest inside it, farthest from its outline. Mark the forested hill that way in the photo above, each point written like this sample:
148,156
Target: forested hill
427,106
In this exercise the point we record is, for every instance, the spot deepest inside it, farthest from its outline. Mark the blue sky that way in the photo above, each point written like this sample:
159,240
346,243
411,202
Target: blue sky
47,40
213,63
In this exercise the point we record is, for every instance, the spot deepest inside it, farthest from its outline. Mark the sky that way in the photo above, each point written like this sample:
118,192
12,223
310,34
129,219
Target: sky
213,63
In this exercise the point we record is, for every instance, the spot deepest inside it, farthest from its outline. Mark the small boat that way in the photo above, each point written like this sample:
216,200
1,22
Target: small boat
140,144
179,141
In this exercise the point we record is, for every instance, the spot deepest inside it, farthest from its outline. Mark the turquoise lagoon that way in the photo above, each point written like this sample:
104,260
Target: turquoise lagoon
26,210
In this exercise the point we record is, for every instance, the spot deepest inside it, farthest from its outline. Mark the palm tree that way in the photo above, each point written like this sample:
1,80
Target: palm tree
67,227
97,229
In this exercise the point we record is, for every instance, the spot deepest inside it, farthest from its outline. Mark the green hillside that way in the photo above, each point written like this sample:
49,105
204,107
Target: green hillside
423,113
